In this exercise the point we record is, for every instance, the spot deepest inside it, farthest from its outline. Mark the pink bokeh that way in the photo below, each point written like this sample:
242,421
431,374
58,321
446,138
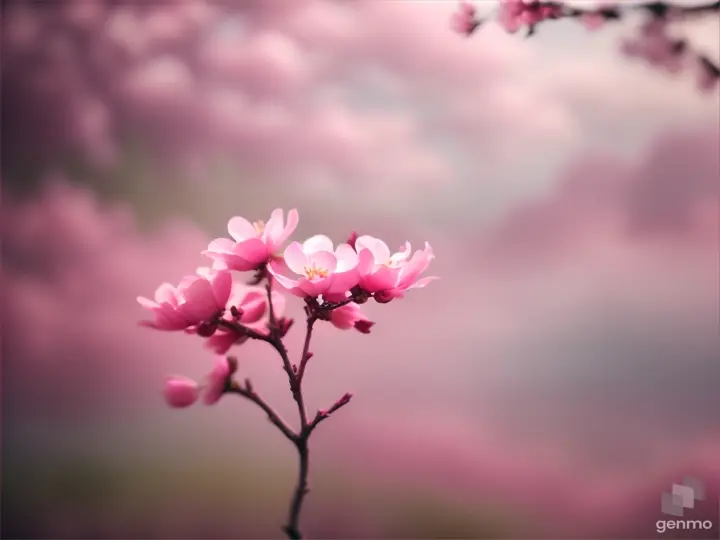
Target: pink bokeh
563,369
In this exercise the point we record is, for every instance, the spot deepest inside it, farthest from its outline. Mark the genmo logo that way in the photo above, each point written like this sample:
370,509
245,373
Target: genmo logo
680,498
683,524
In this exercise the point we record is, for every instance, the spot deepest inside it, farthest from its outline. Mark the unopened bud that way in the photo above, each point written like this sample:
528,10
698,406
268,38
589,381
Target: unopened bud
232,362
284,325
383,297
359,296
352,239
236,313
342,401
308,356
363,326
206,329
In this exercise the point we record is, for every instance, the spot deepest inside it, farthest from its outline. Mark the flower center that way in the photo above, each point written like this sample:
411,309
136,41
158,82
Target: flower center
259,226
394,262
313,272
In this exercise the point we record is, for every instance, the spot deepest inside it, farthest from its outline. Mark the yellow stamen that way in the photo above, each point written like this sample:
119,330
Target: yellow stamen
312,273
259,226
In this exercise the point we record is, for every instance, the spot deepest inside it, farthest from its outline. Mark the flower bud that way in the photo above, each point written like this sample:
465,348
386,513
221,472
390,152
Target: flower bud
383,297
284,324
232,362
206,329
180,392
218,380
363,326
359,296
352,239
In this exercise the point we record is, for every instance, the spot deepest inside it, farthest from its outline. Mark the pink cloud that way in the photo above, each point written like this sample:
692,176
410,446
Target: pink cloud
667,195
192,86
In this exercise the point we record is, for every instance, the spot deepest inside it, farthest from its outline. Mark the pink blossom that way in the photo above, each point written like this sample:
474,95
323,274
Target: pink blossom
655,46
514,14
181,392
217,380
389,275
195,300
350,316
252,304
593,20
322,269
510,14
253,244
463,21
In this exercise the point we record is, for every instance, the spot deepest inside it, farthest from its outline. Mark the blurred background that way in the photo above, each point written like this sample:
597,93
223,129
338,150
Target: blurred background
561,374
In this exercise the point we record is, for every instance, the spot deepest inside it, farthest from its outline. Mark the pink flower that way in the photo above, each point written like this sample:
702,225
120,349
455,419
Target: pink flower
387,275
350,316
254,243
592,20
181,392
656,47
195,300
322,270
510,14
216,381
514,14
463,21
252,304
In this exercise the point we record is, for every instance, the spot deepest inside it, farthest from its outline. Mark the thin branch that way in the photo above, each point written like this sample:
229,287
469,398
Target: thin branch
249,393
322,415
306,348
546,11
295,376
243,330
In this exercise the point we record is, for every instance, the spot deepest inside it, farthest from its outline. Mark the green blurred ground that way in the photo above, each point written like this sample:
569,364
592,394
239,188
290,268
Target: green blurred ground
76,497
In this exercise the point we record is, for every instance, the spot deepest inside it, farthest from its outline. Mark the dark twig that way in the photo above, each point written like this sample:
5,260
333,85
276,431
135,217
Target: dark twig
248,392
314,312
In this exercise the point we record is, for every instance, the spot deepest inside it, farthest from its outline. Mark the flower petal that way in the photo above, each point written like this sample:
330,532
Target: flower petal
319,242
216,381
221,283
221,341
292,221
285,282
415,266
403,254
241,229
366,262
166,293
314,288
382,279
379,249
347,258
295,258
274,227
197,302
422,283
254,251
323,260
147,303
342,282
254,306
